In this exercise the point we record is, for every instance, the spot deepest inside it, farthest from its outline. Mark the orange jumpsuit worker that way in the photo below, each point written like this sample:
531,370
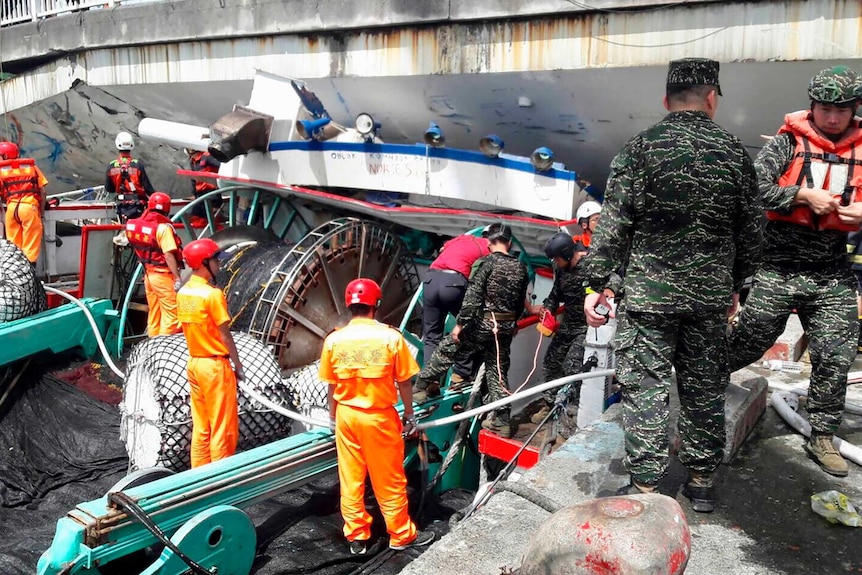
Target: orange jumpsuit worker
362,362
157,246
22,187
203,315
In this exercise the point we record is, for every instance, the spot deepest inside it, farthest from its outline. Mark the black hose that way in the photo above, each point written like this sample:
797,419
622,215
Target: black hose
128,505
530,495
469,510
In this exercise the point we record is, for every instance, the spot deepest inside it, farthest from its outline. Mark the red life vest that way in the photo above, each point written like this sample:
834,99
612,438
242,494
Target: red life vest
199,164
141,233
126,175
819,162
19,178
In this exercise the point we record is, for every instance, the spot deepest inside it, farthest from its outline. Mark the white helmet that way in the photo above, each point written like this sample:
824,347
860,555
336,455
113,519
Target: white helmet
124,142
588,209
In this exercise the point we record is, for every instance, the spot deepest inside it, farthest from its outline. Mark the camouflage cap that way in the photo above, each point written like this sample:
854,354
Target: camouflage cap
694,72
836,85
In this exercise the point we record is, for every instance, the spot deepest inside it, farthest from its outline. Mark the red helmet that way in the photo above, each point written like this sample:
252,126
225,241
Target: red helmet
364,291
160,201
198,251
8,151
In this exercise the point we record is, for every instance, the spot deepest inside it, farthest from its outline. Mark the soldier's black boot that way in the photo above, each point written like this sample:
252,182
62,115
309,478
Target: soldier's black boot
636,488
700,490
859,340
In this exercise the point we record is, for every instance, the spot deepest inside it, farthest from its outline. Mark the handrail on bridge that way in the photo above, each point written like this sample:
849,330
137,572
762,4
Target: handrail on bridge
18,11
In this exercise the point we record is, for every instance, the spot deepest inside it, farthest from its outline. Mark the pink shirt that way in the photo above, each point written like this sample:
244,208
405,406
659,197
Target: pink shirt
459,254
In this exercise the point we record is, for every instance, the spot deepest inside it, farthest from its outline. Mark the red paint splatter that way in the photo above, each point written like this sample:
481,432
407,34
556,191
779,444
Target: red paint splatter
599,565
677,561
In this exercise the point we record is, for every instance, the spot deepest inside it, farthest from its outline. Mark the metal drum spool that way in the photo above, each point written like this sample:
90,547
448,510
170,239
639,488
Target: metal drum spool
156,420
21,295
291,296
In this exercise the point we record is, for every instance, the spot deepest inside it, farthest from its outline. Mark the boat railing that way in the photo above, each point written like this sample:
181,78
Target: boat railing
95,193
18,11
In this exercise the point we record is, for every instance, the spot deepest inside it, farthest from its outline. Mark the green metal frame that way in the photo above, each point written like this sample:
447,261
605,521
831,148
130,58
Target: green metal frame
58,329
258,200
241,480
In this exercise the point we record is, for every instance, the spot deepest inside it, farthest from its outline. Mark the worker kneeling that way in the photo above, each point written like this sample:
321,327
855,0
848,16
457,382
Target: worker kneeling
363,362
203,315
159,250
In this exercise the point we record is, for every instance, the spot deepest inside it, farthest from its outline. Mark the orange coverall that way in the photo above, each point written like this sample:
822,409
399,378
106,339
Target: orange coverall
159,287
202,308
24,220
363,361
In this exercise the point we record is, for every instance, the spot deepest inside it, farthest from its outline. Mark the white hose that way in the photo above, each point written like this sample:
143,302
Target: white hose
319,423
514,397
801,389
446,420
93,325
279,408
847,450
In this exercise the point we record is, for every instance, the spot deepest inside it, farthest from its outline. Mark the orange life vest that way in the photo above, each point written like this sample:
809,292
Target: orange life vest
141,233
199,164
18,178
126,175
818,162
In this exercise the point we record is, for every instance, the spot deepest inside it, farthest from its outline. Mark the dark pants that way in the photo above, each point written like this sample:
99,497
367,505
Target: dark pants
492,349
442,294
826,304
648,347
130,209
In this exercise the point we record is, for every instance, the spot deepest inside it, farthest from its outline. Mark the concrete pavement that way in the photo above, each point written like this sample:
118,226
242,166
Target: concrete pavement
763,524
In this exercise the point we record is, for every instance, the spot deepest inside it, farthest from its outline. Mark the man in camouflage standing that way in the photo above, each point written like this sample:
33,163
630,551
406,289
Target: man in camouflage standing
681,216
493,302
810,177
565,354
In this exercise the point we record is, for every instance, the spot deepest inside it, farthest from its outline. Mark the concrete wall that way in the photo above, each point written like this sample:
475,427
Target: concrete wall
594,79
196,20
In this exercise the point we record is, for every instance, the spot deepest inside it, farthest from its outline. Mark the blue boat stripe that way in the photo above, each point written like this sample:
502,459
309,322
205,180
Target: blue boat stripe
504,161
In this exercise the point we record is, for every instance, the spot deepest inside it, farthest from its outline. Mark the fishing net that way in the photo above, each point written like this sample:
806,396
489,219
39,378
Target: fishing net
21,295
245,275
310,391
156,414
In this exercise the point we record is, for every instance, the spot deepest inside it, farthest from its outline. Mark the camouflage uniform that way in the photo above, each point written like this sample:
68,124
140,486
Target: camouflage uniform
681,216
498,285
803,270
565,355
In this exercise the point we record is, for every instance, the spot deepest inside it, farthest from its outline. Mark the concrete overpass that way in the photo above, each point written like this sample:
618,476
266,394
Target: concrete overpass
578,76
